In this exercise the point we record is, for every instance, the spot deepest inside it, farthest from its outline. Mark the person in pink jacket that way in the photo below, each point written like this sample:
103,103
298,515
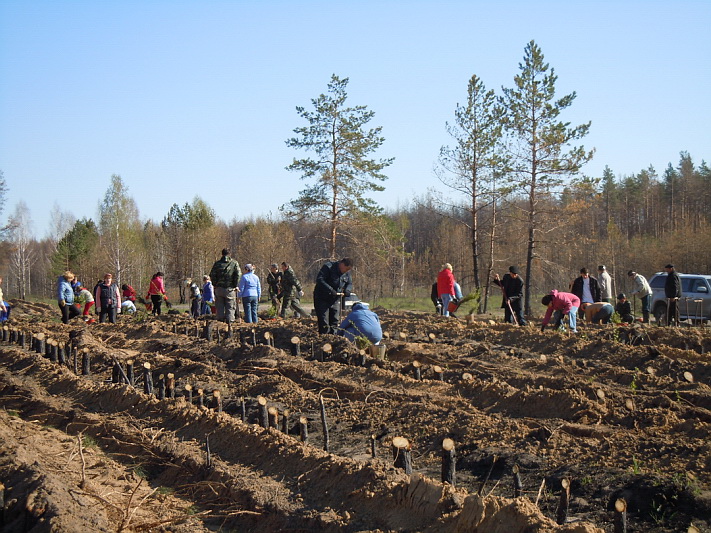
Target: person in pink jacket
561,304
445,287
156,292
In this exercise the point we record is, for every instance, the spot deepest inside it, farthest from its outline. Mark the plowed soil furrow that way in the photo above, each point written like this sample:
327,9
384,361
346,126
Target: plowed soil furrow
616,419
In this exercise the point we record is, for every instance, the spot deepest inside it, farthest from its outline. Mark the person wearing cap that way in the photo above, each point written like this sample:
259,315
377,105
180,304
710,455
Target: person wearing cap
250,290
361,322
586,288
672,291
605,282
624,309
643,291
274,282
333,281
598,312
225,276
512,303
291,292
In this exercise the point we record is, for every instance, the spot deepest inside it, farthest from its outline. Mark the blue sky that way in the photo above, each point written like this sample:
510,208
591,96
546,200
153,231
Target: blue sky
185,98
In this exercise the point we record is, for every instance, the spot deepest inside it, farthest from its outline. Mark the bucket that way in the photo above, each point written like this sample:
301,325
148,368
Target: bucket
452,307
377,351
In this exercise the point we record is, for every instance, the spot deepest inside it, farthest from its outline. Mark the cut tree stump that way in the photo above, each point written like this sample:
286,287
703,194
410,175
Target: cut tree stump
304,428
273,415
85,362
402,454
147,379
263,412
449,462
562,512
295,346
620,519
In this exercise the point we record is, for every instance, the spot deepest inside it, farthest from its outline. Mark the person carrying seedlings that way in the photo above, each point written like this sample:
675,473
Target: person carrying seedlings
291,292
208,296
559,305
65,296
624,309
445,287
643,291
274,283
84,297
108,299
672,291
250,290
332,282
512,303
156,292
598,313
586,288
225,276
195,297
361,322
4,306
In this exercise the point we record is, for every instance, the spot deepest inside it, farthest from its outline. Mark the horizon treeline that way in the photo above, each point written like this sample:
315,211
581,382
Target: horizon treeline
639,222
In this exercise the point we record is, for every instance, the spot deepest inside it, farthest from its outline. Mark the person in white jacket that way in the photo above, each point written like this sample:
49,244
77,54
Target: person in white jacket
643,291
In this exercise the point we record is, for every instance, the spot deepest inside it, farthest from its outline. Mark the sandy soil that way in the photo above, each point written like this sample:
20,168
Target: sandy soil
616,411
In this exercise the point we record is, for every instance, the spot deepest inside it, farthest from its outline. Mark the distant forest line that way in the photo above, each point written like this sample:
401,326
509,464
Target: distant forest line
639,222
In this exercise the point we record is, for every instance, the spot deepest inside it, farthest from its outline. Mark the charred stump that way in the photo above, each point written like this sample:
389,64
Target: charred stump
295,346
449,467
263,413
562,512
147,379
304,428
402,454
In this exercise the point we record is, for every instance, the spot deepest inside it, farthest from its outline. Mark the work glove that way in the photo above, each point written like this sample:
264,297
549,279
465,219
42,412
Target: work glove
118,310
62,303
346,293
98,310
301,293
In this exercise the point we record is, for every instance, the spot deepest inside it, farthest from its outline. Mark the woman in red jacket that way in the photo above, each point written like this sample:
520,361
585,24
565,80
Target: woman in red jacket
445,287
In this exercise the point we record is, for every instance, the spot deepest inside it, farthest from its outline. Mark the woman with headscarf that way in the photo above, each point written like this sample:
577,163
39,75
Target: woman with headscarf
445,287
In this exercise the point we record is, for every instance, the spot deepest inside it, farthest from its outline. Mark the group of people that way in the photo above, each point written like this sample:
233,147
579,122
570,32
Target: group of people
74,299
591,299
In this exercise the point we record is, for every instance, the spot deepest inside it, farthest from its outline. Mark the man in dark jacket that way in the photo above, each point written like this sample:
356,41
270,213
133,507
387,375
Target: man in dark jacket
512,287
672,290
333,282
291,292
225,276
586,288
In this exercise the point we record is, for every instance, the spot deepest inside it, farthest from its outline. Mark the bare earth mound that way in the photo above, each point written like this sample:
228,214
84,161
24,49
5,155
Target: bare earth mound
614,412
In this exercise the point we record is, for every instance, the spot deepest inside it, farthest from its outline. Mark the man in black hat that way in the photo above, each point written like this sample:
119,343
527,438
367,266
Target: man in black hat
672,290
512,287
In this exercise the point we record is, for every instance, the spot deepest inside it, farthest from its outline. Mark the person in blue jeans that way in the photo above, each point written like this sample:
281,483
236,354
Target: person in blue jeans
250,290
4,306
